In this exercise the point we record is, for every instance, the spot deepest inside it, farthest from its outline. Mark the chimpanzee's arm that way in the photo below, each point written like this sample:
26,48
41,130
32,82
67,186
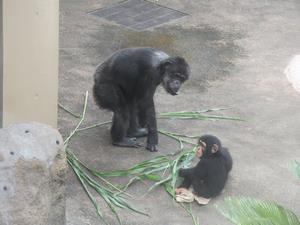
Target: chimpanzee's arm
187,174
186,183
152,140
197,172
191,174
201,169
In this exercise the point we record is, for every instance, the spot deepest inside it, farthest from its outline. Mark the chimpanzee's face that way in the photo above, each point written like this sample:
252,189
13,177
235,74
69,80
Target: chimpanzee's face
209,145
172,83
175,73
201,149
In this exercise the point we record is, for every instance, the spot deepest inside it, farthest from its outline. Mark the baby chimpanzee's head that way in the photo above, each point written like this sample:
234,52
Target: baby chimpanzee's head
208,145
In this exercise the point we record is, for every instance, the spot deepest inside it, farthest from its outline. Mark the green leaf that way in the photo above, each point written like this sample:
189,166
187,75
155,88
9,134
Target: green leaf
249,211
198,115
68,111
190,212
112,199
295,166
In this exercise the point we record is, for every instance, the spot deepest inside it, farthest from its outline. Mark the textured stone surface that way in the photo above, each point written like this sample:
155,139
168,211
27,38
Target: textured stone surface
32,175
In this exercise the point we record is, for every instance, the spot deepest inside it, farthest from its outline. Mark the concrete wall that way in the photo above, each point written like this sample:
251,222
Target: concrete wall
30,61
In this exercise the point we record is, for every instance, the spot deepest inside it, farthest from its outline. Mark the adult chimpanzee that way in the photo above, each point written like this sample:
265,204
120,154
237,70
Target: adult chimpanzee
125,84
209,176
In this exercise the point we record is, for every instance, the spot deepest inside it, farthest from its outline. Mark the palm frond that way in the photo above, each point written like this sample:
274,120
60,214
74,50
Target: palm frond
295,166
198,115
68,111
190,212
249,211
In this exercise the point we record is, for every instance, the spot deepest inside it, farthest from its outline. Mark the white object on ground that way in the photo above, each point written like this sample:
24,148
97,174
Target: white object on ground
292,72
189,196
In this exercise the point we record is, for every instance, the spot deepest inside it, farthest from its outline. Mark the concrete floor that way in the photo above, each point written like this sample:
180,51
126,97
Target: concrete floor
237,51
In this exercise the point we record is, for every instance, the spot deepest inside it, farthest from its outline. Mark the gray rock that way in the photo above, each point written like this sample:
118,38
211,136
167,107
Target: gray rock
32,175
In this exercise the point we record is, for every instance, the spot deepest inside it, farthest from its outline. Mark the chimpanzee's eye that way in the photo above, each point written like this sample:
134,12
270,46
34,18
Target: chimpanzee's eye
202,143
179,76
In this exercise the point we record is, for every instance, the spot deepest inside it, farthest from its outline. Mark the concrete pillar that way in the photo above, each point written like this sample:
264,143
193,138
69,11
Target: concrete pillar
28,61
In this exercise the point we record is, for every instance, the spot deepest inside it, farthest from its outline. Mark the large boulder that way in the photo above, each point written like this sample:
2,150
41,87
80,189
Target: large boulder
32,175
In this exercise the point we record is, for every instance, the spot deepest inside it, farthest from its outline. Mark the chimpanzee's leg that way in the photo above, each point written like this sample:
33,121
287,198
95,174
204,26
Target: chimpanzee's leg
119,129
109,96
142,114
201,189
134,129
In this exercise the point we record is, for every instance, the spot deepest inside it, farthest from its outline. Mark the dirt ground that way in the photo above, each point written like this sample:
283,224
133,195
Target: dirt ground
237,51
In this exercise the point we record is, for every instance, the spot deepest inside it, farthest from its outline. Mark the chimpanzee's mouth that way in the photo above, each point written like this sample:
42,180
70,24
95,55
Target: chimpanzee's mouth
172,92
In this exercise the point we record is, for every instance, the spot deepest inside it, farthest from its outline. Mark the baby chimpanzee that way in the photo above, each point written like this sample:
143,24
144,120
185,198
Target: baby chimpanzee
209,176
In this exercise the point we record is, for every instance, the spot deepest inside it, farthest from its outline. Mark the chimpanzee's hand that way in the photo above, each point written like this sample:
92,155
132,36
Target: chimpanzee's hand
152,147
178,191
180,171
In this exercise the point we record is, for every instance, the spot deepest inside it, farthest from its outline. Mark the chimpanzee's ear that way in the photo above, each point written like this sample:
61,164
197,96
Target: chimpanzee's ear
214,148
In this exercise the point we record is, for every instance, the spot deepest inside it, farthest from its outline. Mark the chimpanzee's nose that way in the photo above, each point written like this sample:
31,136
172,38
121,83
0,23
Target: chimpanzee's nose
176,85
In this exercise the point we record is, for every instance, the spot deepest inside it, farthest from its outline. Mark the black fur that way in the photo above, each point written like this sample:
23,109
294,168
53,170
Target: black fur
209,176
125,84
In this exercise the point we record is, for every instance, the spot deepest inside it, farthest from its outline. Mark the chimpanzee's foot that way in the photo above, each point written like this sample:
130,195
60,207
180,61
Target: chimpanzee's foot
128,142
140,132
151,147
